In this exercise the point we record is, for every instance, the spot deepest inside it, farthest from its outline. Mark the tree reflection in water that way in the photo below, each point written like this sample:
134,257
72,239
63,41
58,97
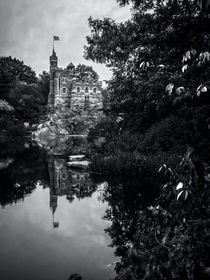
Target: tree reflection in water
125,200
27,168
19,178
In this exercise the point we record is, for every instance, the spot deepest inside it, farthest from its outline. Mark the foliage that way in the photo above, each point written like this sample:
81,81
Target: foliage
5,106
161,67
26,168
84,73
23,92
44,85
13,70
160,90
170,238
27,101
145,54
119,152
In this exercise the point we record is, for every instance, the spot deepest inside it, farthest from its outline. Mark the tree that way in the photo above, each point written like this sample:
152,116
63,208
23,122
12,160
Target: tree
156,58
84,72
5,83
28,102
44,84
13,71
17,70
160,60
146,51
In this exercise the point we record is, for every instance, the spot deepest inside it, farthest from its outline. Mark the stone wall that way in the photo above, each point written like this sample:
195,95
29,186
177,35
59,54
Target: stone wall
67,94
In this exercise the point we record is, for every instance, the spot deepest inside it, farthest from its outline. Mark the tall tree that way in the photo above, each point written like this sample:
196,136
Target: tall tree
84,72
44,84
12,71
145,54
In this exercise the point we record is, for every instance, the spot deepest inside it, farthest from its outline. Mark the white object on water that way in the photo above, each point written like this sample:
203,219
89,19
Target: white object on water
79,164
76,157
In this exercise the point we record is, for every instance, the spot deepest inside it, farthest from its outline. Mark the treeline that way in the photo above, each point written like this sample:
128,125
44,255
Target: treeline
23,96
160,89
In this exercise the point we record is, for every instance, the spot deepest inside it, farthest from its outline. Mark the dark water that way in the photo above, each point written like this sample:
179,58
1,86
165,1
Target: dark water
55,221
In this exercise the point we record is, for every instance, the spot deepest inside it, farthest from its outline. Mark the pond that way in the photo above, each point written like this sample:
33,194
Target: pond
55,221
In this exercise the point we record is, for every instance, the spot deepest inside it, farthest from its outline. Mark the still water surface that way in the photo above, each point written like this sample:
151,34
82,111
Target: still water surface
52,218
51,221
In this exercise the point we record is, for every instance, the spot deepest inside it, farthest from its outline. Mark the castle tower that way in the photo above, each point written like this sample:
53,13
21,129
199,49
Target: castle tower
53,60
53,67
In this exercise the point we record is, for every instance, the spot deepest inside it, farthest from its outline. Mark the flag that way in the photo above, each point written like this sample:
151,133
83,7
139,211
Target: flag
55,38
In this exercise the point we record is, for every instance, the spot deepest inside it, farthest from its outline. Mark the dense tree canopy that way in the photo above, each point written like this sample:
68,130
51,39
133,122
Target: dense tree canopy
159,57
20,87
84,72
146,51
17,70
161,91
44,84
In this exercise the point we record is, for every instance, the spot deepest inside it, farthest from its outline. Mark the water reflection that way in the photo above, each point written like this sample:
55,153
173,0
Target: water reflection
126,197
66,182
55,220
19,173
52,222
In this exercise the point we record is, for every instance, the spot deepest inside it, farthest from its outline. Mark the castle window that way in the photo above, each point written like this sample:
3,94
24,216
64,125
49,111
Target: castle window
78,89
64,90
94,89
64,80
86,89
87,102
64,175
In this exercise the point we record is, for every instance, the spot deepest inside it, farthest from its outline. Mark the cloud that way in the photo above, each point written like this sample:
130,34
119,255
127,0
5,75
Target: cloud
27,27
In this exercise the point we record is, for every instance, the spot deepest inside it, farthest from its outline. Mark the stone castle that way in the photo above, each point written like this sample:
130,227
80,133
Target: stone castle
66,91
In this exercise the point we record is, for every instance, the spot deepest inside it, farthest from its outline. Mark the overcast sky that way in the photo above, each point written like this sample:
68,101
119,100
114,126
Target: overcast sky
27,27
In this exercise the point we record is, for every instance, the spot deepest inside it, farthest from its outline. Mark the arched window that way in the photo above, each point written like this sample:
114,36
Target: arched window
94,90
64,80
64,90
78,89
86,89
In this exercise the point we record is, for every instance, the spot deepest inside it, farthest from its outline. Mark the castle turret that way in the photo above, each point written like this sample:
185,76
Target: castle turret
53,60
53,67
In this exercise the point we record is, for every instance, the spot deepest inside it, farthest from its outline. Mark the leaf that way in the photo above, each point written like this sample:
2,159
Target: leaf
180,90
165,186
184,68
169,88
186,195
160,168
179,194
179,186
204,89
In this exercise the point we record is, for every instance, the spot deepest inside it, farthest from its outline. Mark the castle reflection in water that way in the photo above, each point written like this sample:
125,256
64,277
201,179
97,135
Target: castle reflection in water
30,166
66,182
